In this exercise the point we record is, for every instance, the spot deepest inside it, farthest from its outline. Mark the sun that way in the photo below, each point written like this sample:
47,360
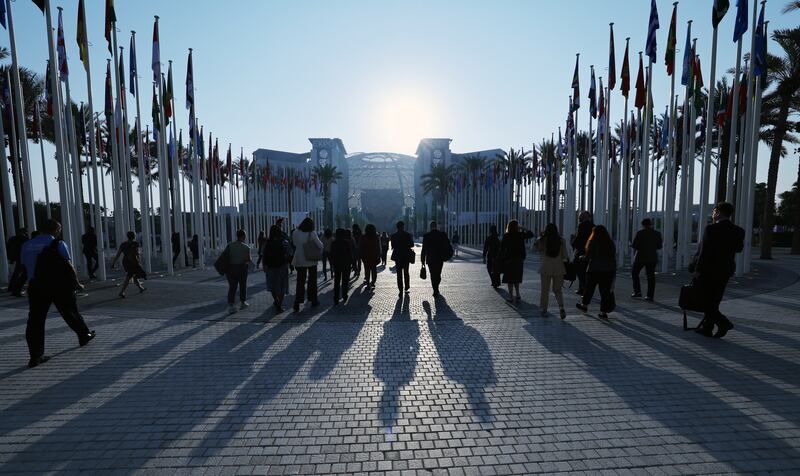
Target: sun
405,117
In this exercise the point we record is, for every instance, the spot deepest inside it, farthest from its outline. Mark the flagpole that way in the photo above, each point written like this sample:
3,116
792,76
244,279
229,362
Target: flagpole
144,202
176,174
30,217
66,221
16,162
124,142
5,180
706,184
44,165
123,156
590,159
734,123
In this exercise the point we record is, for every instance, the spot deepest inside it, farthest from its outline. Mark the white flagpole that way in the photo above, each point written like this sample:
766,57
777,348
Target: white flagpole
144,202
44,164
15,159
734,123
5,180
30,218
710,114
123,154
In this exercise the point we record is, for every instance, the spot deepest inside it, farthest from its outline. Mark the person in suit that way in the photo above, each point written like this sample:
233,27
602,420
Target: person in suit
714,264
512,253
402,255
491,252
436,249
578,243
646,244
369,251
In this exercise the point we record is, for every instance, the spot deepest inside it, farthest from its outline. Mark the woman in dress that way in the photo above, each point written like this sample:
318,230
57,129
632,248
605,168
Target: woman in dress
512,253
276,255
131,263
553,253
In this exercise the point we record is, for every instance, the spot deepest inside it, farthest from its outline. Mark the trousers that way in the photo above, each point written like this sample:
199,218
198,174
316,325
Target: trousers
306,281
713,290
557,283
603,280
341,282
39,301
650,272
435,269
237,277
402,274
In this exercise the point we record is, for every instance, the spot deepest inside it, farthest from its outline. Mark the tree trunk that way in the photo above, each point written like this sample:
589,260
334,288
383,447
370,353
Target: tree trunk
768,220
796,233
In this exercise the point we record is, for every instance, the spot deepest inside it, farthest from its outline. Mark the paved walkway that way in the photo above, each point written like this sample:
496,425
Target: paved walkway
463,384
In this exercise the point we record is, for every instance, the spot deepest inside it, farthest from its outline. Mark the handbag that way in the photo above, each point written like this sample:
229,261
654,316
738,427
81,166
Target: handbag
423,273
311,251
691,299
570,273
412,256
223,262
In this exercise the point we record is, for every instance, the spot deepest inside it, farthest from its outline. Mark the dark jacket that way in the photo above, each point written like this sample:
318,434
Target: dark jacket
402,245
717,251
15,246
647,243
491,247
434,246
342,254
369,250
512,247
601,260
89,241
581,237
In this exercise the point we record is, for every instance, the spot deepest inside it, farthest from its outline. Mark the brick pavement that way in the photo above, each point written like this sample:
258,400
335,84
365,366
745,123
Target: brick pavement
464,384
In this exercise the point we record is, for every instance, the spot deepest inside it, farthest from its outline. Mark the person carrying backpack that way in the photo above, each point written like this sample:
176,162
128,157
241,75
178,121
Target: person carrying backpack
276,255
51,280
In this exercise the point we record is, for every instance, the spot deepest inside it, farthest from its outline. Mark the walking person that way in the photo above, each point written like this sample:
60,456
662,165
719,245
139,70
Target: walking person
51,280
600,271
714,264
260,242
553,252
89,245
308,250
384,247
356,241
646,244
369,250
402,255
276,254
578,244
327,240
14,250
238,262
194,248
436,249
491,253
342,257
512,253
131,263
456,241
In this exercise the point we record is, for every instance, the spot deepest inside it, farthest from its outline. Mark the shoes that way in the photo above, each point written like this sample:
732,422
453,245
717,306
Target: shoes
37,361
244,305
582,307
722,328
296,307
511,299
142,289
648,299
122,295
518,298
563,313
279,309
636,295
603,316
705,331
83,340
232,309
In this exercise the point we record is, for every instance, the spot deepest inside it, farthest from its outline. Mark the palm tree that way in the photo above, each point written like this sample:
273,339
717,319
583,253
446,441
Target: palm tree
514,163
791,6
435,183
472,166
327,176
785,73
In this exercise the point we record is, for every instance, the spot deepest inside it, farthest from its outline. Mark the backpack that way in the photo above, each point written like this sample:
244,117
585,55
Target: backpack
54,272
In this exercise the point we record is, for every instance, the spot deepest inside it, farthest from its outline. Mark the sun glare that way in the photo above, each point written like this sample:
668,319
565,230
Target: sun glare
405,117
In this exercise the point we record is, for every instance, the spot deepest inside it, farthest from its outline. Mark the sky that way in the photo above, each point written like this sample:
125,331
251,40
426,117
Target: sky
382,75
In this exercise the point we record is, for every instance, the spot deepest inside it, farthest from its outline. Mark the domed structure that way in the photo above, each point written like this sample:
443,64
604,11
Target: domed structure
381,185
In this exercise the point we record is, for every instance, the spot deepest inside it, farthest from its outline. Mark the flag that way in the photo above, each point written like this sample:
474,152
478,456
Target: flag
228,160
650,47
156,63
121,81
760,62
168,95
740,27
171,148
81,37
3,14
189,82
718,11
109,107
612,63
640,86
576,87
132,64
156,115
38,3
722,115
592,97
688,57
601,123
698,85
743,94
626,74
48,91
111,17
669,56
664,130
61,48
